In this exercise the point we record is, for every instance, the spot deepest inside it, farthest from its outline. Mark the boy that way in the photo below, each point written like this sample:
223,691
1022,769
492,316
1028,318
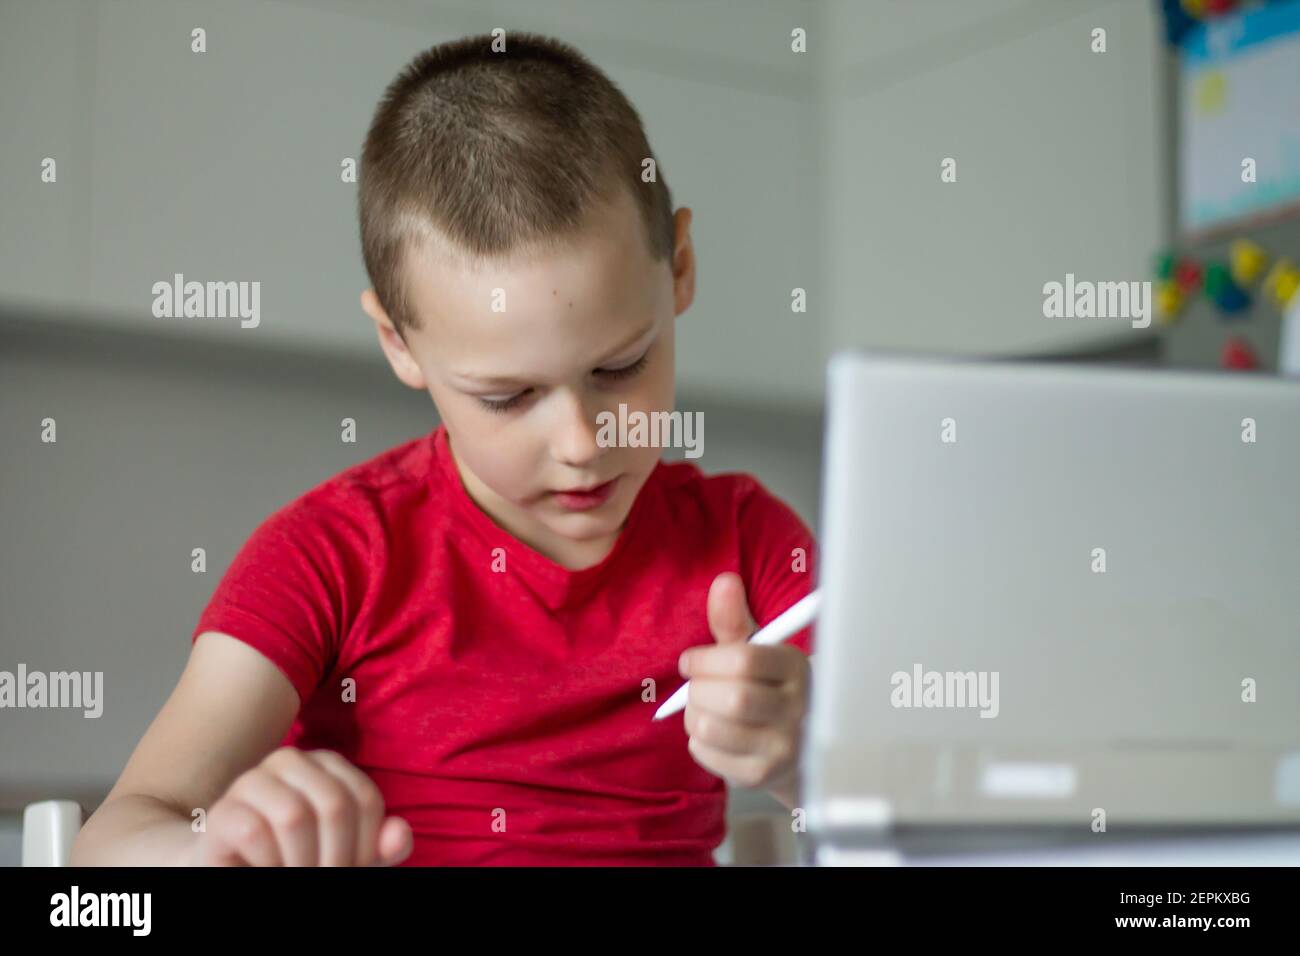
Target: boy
452,653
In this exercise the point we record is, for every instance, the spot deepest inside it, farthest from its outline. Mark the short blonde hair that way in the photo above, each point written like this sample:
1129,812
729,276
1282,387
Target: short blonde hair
496,151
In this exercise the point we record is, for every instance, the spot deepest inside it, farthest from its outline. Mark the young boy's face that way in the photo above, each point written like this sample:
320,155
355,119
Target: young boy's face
521,355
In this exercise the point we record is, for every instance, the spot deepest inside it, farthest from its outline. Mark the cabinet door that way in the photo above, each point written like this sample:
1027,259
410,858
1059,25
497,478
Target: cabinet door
1057,162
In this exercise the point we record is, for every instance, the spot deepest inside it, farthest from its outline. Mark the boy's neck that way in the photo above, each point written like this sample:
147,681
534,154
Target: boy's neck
570,554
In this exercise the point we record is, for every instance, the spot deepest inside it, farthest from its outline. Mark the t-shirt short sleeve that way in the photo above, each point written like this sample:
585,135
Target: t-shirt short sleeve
776,556
292,591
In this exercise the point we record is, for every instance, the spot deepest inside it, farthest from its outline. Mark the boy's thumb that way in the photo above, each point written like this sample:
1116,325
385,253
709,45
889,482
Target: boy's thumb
395,841
729,617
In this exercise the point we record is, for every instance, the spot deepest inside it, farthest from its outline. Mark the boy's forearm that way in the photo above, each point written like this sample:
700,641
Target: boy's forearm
135,830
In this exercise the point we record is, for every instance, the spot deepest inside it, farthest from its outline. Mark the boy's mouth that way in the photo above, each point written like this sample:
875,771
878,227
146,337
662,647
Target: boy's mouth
579,499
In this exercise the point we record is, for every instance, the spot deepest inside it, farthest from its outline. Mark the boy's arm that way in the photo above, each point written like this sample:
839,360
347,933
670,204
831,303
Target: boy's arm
230,708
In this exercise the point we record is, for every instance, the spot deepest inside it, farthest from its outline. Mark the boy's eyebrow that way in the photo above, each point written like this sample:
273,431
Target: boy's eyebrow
508,380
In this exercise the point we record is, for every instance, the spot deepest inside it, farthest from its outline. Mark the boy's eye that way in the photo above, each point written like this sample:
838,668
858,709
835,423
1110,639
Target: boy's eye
505,404
627,371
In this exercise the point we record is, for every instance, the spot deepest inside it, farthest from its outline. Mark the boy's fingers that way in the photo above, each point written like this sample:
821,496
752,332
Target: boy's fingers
723,733
287,811
332,803
396,841
734,768
366,798
728,612
749,702
244,837
770,663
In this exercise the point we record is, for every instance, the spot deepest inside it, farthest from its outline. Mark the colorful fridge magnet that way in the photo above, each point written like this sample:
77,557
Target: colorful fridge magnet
1216,277
1237,354
1169,301
1248,262
1165,265
1281,283
1226,294
1188,275
1211,92
1288,348
1232,300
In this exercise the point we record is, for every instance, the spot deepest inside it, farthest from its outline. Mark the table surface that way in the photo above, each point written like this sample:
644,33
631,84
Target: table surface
1243,850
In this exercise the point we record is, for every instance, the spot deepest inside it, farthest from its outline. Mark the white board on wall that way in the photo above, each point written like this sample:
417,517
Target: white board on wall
1240,100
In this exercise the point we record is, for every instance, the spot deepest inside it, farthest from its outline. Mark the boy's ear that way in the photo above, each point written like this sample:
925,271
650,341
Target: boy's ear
391,341
683,262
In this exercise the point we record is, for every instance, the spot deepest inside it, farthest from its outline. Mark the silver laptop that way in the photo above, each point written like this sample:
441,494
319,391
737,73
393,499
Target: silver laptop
1055,597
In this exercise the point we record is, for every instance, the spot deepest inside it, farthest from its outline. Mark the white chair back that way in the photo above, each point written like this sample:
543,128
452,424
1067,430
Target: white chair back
49,827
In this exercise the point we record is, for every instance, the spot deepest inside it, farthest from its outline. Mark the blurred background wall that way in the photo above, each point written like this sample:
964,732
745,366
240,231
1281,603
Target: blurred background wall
816,170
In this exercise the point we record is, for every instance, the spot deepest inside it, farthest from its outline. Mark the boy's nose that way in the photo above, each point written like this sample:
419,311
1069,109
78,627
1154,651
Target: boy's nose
575,441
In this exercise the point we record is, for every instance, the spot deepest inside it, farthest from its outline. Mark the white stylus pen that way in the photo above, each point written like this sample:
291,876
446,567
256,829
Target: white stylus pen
785,625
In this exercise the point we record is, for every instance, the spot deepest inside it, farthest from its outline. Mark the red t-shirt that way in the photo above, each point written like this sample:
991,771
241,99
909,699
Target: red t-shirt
502,703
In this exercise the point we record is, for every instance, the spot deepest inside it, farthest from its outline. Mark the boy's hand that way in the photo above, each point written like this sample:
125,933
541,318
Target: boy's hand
302,808
746,702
